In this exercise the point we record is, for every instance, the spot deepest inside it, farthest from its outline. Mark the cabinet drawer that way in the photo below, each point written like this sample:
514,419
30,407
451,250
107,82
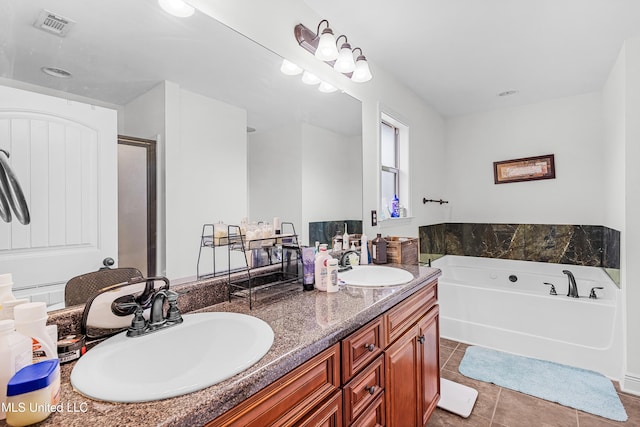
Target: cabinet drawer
363,389
401,317
361,347
374,415
327,415
288,399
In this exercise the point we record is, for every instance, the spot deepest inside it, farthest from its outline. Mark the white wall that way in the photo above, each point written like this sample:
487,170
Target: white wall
299,172
570,128
426,125
631,236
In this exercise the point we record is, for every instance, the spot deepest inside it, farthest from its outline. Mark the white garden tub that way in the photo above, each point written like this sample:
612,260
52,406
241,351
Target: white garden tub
480,304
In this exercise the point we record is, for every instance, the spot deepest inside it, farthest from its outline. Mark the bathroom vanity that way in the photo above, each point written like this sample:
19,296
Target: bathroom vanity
362,356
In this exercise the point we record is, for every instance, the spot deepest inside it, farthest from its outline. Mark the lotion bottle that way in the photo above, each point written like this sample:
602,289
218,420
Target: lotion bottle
364,250
321,268
31,320
332,275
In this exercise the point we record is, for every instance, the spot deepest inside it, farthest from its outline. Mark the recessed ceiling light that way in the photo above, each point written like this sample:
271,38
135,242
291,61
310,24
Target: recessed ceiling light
56,72
508,93
177,8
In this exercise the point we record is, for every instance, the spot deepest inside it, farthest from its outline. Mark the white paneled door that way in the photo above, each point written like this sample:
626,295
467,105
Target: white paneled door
65,156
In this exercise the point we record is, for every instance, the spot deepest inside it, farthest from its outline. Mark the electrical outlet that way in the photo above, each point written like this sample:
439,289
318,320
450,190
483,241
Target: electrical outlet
374,218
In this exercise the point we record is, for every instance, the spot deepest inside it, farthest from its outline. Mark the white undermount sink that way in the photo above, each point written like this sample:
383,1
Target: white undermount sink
205,349
375,275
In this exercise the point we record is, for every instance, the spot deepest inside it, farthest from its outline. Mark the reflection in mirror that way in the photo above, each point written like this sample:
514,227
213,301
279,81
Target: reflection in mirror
106,312
194,86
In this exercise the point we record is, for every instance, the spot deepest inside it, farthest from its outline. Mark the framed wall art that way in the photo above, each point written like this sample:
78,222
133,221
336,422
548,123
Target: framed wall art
525,169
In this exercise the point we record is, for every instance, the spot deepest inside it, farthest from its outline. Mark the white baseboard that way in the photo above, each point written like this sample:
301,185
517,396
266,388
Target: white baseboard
631,384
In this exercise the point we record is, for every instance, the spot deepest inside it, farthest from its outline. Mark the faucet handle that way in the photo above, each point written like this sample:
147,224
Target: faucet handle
173,313
552,291
593,294
138,324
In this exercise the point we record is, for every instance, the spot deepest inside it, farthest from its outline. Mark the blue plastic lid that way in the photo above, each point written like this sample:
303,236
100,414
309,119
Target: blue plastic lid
33,377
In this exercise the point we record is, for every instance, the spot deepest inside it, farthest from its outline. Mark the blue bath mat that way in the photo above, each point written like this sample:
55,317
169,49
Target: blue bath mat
577,388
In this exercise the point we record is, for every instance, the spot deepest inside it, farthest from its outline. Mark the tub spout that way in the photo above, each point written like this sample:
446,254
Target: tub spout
573,287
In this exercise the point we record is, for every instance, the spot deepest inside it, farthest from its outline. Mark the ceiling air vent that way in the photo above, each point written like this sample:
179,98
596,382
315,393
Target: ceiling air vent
53,23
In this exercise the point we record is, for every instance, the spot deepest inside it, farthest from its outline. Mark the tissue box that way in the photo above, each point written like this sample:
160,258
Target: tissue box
402,250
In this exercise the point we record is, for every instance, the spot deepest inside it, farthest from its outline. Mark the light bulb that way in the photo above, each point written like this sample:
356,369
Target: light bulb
362,73
310,78
345,63
327,50
176,8
326,87
289,68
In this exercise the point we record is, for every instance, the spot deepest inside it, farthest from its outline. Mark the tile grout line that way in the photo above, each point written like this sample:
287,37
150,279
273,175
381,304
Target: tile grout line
495,406
447,361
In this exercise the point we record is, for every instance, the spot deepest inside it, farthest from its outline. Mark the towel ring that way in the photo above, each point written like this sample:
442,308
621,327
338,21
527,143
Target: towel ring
11,193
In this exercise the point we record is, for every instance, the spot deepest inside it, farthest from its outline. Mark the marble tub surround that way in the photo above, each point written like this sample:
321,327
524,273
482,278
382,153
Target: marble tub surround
304,323
323,231
588,245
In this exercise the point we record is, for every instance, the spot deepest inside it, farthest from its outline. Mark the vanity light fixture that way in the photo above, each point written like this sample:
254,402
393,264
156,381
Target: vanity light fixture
289,68
177,8
342,61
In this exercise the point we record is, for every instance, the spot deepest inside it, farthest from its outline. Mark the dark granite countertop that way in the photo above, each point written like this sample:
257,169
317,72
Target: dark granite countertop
304,323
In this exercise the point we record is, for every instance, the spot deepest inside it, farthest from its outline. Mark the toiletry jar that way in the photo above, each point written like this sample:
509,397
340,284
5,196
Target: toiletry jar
33,393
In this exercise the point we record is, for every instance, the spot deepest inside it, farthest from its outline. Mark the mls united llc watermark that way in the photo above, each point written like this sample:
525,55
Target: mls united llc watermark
21,407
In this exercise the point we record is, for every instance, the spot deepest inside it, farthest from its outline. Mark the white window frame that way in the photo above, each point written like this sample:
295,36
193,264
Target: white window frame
401,168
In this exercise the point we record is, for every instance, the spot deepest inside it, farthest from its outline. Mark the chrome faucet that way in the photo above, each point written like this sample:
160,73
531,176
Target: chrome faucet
573,287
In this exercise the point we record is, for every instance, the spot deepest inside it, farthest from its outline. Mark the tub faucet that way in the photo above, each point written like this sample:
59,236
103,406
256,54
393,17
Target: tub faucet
573,287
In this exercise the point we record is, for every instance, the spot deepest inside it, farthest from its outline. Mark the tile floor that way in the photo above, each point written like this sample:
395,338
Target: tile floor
500,407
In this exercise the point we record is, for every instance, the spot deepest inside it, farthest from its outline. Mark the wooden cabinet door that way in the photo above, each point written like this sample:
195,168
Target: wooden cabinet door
403,381
428,341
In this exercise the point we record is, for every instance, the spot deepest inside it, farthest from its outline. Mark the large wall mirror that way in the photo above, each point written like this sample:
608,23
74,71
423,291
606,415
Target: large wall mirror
235,137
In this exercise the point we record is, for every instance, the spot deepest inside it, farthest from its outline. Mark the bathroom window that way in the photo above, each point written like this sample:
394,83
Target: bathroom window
389,162
393,165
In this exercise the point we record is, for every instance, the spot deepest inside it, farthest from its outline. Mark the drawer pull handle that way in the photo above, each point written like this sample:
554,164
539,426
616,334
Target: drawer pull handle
421,339
370,347
371,389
